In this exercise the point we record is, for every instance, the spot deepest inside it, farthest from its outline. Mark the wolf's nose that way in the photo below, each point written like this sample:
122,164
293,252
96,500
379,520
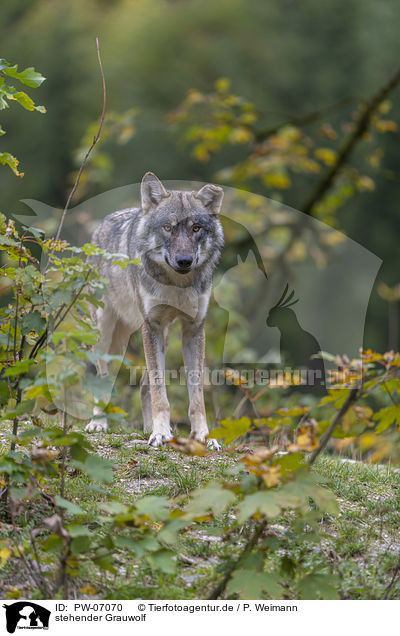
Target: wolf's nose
184,261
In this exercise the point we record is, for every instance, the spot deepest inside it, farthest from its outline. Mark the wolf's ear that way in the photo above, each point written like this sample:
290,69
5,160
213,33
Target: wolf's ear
211,197
152,191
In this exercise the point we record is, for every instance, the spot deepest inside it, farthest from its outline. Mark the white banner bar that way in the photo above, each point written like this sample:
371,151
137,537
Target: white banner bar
150,617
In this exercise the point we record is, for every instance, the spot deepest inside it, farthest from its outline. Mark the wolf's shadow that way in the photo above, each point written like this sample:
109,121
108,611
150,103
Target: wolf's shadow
298,347
282,345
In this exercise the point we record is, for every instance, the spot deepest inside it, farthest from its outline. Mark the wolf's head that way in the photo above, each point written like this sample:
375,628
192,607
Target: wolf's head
180,229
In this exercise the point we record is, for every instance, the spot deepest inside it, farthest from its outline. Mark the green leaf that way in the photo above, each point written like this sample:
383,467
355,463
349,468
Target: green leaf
231,429
70,507
53,542
162,560
250,584
105,563
23,407
325,500
28,76
386,417
78,452
6,159
156,508
147,544
97,385
77,530
80,545
115,507
289,463
318,586
97,468
32,322
259,502
4,393
169,533
213,497
126,543
338,396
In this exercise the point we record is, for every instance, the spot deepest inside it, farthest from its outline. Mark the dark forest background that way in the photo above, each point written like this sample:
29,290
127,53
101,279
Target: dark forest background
287,58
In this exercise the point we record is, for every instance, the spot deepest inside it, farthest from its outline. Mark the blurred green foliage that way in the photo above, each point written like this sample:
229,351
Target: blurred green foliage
284,58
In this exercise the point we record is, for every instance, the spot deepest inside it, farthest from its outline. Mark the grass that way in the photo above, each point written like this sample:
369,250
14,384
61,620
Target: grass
362,542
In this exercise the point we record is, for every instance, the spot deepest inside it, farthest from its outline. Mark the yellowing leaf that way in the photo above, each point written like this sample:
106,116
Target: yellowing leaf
240,135
260,455
56,246
231,429
7,159
294,411
188,446
277,180
222,85
233,376
90,590
386,125
365,183
271,476
5,553
326,155
386,417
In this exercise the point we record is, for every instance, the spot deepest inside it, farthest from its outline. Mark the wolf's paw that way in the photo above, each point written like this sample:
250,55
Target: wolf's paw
157,439
97,426
212,444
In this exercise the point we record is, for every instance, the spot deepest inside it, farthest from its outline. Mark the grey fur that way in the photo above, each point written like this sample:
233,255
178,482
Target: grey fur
178,238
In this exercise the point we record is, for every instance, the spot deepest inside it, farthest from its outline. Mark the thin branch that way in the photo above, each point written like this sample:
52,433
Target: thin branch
36,555
30,571
306,118
73,301
39,343
347,404
251,543
350,143
86,157
395,578
325,183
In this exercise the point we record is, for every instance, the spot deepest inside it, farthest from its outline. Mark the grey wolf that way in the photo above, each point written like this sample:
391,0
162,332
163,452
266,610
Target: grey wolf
178,238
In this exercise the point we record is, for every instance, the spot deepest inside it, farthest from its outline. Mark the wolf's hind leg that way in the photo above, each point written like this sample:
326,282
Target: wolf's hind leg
114,338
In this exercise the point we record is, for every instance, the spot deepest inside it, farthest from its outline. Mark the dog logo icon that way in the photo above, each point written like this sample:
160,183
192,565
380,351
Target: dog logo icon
26,615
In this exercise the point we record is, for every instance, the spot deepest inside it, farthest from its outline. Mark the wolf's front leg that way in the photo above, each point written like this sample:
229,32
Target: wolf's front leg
154,351
193,345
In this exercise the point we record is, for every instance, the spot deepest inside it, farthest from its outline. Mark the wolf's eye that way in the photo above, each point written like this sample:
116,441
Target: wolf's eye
167,228
196,228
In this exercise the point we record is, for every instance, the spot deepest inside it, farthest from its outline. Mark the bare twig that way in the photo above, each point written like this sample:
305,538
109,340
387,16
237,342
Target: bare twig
251,543
62,467
39,567
394,579
86,157
306,118
324,184
350,143
94,142
30,571
347,404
